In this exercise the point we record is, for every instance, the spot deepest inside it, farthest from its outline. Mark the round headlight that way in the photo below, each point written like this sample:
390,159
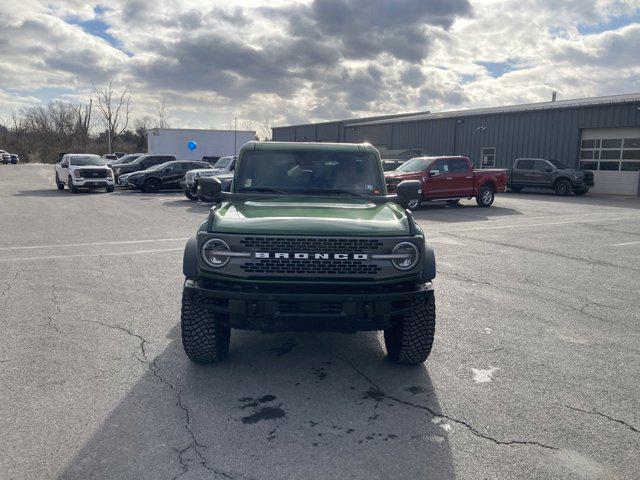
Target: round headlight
211,250
405,256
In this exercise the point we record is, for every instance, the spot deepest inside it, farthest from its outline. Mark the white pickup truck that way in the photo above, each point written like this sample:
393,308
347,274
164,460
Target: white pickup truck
80,170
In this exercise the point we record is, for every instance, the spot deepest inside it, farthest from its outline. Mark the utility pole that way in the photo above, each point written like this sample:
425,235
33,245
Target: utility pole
235,135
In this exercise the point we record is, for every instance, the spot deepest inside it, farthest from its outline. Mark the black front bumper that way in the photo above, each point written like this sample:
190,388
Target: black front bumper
290,308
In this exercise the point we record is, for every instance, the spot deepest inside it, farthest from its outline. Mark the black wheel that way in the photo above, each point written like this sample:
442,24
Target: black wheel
72,188
515,188
151,186
410,339
486,196
190,196
205,335
562,187
59,184
453,203
110,189
581,191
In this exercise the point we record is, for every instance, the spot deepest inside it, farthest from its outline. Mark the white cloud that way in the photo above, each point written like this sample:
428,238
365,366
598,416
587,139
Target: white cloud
317,59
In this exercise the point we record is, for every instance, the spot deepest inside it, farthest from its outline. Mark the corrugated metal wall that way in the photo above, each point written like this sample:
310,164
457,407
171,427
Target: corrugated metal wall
553,134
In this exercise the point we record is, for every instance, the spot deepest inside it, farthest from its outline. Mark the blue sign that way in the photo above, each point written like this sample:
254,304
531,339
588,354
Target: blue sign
192,145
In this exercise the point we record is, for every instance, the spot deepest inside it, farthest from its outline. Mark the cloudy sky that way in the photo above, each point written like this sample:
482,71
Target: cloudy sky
298,61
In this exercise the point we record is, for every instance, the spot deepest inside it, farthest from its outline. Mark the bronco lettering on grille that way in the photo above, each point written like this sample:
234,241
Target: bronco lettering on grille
314,256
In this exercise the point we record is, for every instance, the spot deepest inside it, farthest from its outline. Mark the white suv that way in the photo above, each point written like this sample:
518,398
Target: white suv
80,170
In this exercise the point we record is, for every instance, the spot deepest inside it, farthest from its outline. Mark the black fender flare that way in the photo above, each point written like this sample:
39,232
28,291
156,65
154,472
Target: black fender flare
428,263
190,258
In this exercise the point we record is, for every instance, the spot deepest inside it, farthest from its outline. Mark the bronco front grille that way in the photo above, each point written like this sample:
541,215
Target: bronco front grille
311,267
301,244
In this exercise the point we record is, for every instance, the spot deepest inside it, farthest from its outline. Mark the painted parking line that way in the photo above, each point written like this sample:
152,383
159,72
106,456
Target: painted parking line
529,225
624,244
77,255
123,242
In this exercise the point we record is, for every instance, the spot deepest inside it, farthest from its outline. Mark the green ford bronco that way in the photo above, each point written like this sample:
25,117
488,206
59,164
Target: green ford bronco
307,239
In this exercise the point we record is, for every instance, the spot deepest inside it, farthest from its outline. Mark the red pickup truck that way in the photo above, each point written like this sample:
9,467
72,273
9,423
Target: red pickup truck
449,179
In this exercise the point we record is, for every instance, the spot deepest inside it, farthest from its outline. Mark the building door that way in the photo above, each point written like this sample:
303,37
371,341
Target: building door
613,155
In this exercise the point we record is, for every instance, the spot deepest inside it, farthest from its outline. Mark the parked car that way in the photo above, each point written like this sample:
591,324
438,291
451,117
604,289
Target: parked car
15,159
307,240
110,157
164,176
82,170
5,157
190,181
225,164
390,165
141,163
551,174
130,157
449,179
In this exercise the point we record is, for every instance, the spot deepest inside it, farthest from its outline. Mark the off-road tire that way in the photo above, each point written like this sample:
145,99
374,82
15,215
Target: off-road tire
486,196
562,187
410,339
515,188
110,189
59,184
205,337
72,188
453,203
581,191
151,186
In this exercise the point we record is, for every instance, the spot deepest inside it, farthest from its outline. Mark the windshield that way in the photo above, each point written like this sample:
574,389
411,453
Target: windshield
86,160
557,164
126,159
223,162
157,167
308,171
415,165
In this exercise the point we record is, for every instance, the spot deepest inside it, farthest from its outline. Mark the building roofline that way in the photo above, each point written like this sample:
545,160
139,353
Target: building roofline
526,107
350,120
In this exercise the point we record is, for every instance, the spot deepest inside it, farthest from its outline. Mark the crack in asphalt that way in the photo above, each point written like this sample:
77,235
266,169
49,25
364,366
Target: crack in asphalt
529,293
376,392
604,415
51,318
565,256
194,444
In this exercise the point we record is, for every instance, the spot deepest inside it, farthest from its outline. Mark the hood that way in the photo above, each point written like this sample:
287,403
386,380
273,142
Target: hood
310,215
403,175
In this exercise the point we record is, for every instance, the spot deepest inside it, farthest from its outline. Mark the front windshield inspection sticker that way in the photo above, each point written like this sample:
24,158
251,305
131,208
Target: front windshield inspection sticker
247,182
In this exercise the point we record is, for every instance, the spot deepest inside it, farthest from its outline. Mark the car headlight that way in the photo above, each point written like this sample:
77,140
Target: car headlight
405,256
109,173
578,176
211,251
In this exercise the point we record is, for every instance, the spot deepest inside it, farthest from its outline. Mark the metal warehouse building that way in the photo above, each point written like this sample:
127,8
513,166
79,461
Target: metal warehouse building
601,134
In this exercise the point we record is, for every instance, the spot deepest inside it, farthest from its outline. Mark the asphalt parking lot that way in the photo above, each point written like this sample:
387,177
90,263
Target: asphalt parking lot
535,371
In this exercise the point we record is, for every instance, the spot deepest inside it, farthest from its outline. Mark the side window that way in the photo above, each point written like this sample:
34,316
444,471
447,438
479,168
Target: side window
541,166
64,162
524,165
488,157
232,167
458,165
441,166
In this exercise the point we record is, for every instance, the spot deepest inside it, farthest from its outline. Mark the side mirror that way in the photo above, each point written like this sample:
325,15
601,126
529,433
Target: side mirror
434,173
209,188
409,190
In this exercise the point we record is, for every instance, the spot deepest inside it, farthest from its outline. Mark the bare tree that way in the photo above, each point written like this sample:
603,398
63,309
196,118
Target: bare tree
162,121
115,113
83,122
264,130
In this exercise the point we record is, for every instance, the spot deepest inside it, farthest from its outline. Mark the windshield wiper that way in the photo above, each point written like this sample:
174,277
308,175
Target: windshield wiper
263,189
334,191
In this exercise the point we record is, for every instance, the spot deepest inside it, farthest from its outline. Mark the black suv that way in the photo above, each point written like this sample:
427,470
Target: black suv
141,163
541,173
164,176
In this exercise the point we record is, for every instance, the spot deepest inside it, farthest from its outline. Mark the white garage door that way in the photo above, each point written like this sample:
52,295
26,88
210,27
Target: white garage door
613,154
